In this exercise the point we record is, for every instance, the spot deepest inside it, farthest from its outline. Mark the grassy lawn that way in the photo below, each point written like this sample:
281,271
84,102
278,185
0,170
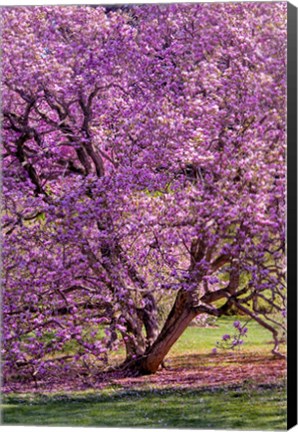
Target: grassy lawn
259,408
203,339
200,402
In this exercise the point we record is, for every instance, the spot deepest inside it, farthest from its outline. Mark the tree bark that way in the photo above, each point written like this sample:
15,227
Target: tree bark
179,318
135,343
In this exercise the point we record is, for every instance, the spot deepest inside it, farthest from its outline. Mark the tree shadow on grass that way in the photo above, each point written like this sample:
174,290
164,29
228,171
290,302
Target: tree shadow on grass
216,408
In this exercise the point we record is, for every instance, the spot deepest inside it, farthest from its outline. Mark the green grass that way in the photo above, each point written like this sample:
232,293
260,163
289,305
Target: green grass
249,406
203,339
231,408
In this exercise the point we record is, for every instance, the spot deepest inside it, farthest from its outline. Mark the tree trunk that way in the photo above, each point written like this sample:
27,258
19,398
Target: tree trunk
133,337
136,340
179,318
148,316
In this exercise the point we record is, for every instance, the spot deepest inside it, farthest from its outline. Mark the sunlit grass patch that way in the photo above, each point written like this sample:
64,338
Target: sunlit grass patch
243,408
242,389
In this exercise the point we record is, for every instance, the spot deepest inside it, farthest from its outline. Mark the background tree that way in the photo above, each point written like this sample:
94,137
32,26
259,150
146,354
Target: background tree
143,159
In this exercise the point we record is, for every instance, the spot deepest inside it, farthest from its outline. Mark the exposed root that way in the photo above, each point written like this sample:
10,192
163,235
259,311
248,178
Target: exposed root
278,354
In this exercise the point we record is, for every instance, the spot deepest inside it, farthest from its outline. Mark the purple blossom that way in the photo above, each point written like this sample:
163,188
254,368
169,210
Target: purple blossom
136,171
237,324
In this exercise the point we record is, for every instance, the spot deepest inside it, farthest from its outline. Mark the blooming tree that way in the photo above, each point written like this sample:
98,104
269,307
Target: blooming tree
143,162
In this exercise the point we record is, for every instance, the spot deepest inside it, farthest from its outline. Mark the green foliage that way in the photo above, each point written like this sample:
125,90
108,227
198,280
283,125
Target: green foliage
41,216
